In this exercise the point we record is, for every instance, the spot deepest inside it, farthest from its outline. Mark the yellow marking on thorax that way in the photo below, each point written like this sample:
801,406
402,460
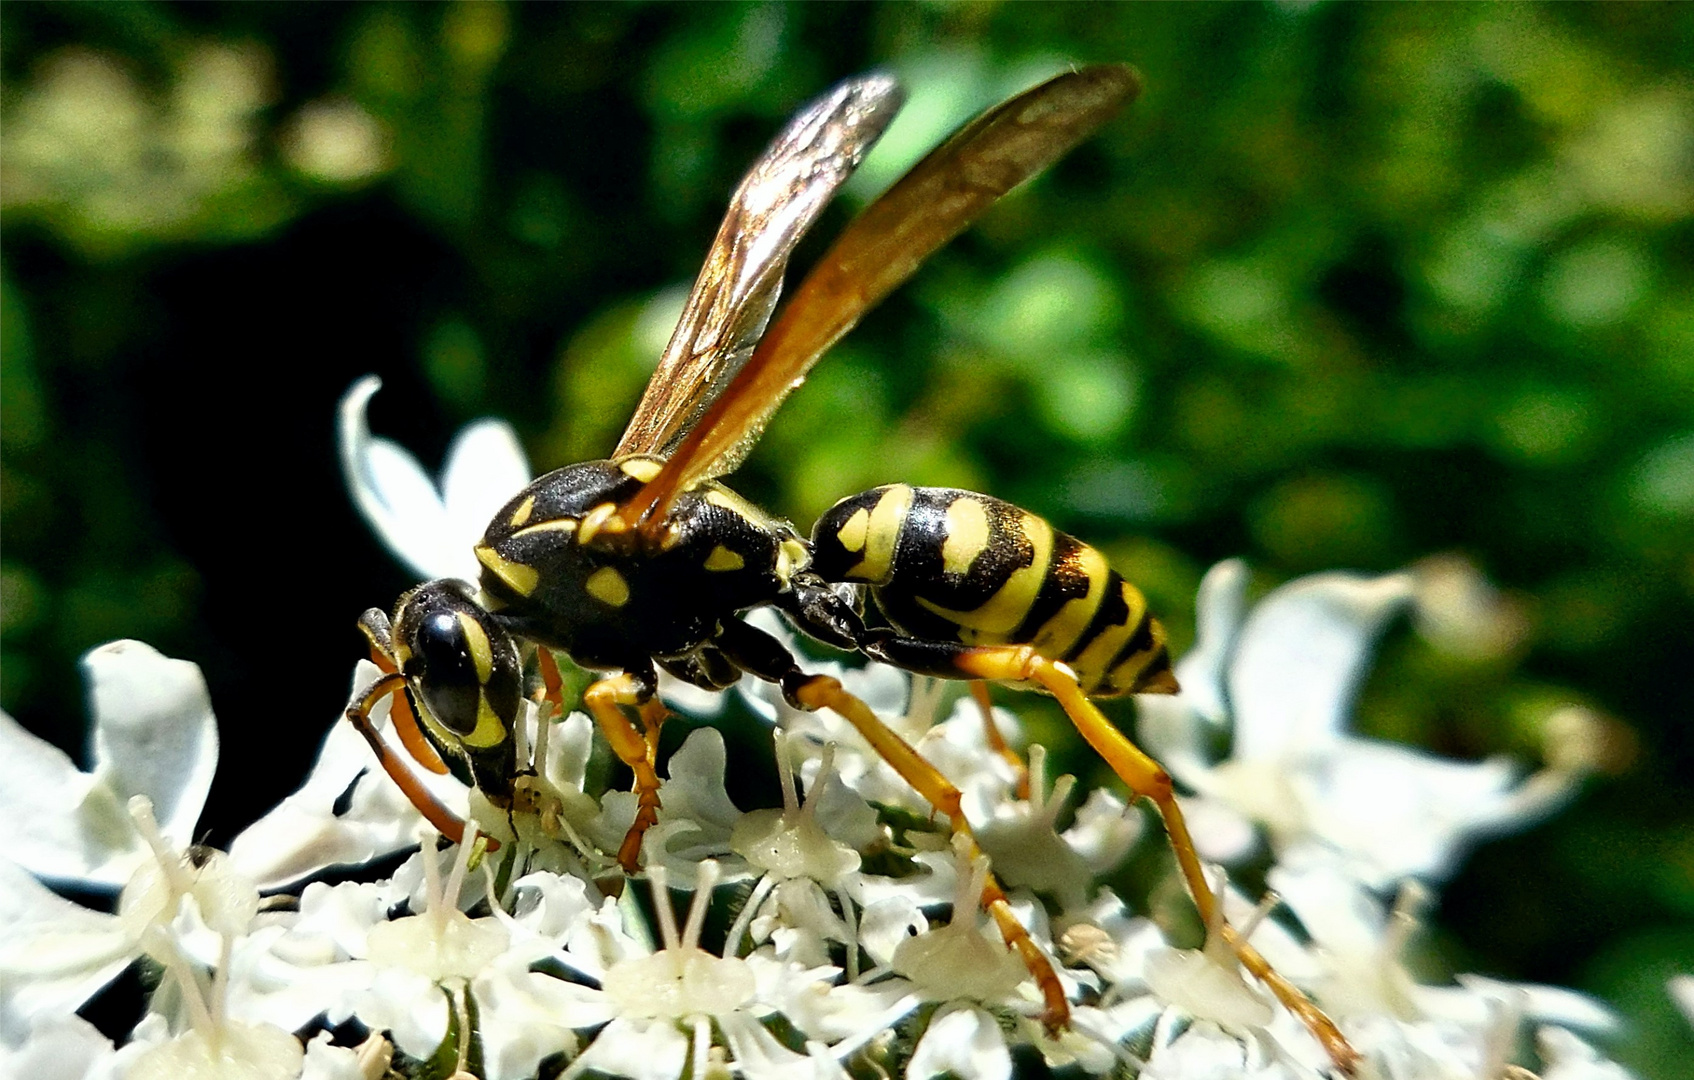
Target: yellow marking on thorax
722,558
1001,613
476,639
735,504
640,468
882,535
967,535
1063,627
851,536
519,578
1091,664
608,586
521,514
559,525
594,521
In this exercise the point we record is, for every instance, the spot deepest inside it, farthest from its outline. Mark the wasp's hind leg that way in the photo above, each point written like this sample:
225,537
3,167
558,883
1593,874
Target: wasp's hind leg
1144,776
604,700
762,655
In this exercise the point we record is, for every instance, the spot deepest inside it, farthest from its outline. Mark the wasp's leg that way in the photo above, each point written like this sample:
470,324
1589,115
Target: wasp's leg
1145,777
603,699
434,811
997,741
374,625
759,653
552,682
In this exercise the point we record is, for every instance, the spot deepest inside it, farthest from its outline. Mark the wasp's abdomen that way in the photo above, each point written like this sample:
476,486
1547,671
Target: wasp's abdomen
951,565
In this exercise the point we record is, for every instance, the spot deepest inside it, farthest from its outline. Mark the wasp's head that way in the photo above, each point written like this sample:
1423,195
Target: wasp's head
463,672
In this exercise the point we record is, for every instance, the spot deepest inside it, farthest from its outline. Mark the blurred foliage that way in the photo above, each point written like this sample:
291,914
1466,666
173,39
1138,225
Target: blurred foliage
1351,286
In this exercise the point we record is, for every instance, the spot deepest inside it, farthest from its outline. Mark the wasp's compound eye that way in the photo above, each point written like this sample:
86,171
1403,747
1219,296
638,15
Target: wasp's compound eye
446,671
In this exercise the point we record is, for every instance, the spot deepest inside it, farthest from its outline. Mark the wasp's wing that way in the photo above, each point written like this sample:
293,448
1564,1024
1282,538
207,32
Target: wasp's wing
778,200
930,205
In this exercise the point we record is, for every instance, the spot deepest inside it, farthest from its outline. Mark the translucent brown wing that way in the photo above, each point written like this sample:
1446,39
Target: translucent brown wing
777,201
884,246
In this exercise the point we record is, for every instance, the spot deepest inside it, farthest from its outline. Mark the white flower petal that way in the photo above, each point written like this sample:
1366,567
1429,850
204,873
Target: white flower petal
884,924
965,1042
758,1056
1178,728
1203,1052
1395,812
1569,1058
394,494
61,1047
54,955
236,1051
411,1007
637,1049
154,735
154,732
485,467
279,978
1300,657
325,1061
550,906
1548,1004
348,811
38,782
1205,988
1221,833
696,816
517,1026
1335,909
1105,830
1217,620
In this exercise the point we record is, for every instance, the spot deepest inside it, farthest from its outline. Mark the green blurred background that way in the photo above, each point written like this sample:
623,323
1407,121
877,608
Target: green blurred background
1351,286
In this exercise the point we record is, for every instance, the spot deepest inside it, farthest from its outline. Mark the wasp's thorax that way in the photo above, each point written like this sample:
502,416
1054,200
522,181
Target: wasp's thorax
553,576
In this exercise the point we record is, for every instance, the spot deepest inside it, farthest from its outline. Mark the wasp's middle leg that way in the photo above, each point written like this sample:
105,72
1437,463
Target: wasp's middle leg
604,699
760,654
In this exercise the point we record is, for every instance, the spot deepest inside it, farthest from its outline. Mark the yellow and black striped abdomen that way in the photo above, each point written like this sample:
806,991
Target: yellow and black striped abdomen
956,566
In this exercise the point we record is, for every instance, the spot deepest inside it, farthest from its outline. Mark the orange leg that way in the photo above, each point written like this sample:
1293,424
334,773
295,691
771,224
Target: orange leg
406,721
822,692
653,717
552,682
603,700
997,741
359,714
1147,779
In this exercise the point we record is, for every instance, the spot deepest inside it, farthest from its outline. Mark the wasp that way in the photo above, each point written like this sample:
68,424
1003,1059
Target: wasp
645,561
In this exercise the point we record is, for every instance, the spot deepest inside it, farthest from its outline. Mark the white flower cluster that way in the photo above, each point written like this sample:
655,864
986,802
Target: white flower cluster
835,934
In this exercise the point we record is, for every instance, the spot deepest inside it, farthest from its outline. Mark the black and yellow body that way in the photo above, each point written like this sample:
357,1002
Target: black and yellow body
955,567
553,579
645,561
